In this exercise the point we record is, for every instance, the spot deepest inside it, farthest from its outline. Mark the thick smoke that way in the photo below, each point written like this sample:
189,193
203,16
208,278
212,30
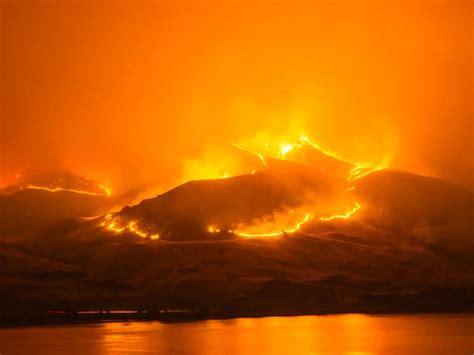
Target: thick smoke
128,93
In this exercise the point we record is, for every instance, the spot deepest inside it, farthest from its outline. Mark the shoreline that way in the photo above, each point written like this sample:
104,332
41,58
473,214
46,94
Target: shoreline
93,319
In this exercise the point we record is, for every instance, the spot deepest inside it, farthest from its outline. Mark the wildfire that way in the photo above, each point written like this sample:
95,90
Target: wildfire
281,150
355,173
213,229
111,224
132,228
284,149
242,231
288,230
342,216
276,226
304,139
105,191
258,155
282,227
114,228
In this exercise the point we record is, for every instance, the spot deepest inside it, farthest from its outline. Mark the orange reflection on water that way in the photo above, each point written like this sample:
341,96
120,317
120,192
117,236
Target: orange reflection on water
348,334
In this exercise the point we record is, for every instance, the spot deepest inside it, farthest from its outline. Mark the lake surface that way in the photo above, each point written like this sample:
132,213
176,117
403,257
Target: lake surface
350,334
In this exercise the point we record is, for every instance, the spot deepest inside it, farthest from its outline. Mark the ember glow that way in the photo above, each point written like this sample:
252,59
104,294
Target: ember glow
278,230
258,155
113,224
346,215
282,150
213,229
355,173
285,148
241,232
105,190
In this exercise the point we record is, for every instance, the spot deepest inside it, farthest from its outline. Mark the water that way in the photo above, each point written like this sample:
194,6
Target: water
351,334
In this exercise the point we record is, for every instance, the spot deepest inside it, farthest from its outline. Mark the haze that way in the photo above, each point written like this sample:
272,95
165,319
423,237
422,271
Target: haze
128,93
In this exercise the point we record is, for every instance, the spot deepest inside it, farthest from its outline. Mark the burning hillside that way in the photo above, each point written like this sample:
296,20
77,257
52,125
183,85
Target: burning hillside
298,186
299,221
295,184
55,182
32,202
288,188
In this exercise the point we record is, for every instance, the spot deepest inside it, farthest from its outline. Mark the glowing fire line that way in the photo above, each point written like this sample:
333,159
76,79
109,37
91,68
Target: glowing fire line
294,229
286,148
106,191
342,216
358,171
316,146
111,225
260,156
307,217
355,173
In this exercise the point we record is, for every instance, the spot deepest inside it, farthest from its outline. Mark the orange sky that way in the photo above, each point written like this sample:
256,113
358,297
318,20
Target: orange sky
128,92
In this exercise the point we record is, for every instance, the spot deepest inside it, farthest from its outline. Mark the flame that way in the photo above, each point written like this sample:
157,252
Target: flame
284,149
307,217
355,173
258,155
361,172
114,228
243,230
342,216
111,224
288,224
213,229
132,228
107,217
285,230
214,164
280,228
105,191
304,139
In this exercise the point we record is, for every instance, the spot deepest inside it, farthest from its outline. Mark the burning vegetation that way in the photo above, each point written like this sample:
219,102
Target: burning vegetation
317,172
114,225
57,182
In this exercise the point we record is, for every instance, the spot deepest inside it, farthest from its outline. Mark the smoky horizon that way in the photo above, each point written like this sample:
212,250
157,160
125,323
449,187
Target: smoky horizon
156,93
